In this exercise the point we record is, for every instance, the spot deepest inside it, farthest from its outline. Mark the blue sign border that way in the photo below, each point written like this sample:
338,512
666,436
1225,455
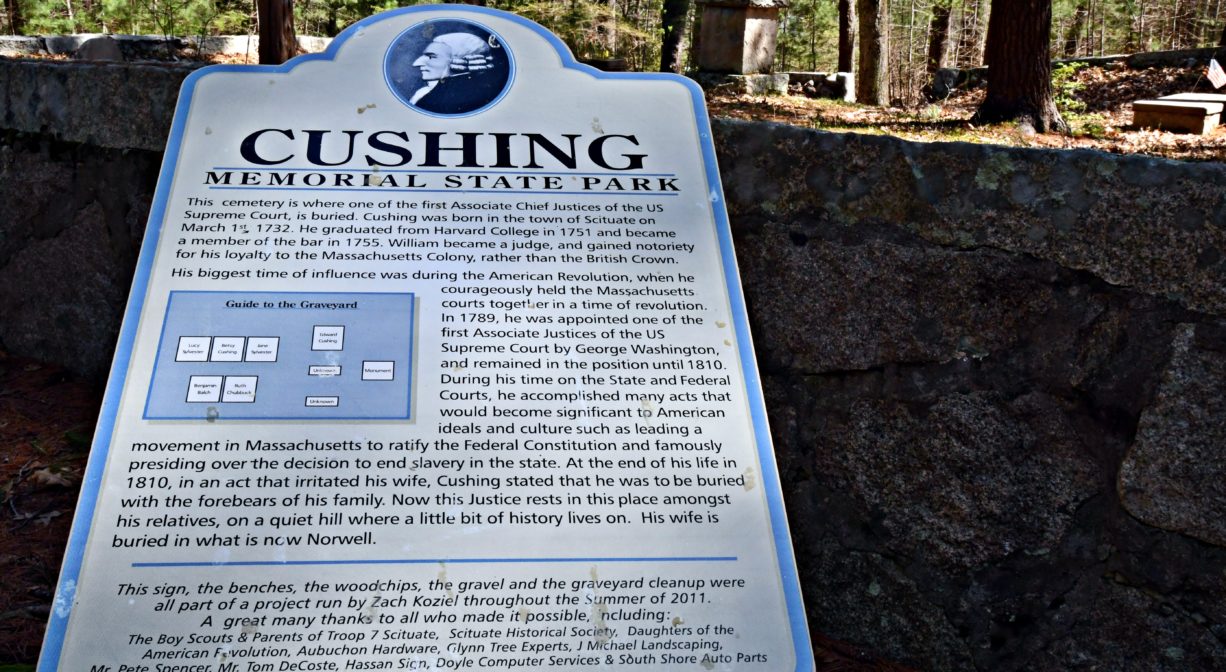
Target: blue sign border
65,595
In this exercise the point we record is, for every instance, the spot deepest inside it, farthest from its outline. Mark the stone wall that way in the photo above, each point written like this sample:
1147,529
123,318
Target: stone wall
147,47
80,148
995,377
998,394
948,79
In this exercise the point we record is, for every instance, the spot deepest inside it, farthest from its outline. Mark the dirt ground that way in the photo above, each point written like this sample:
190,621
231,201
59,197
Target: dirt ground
1104,124
46,418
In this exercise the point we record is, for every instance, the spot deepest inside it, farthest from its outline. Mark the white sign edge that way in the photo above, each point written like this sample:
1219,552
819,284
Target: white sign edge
70,570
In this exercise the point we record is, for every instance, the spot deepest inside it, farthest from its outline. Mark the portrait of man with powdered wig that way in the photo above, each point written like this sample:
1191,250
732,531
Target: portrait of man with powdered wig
448,67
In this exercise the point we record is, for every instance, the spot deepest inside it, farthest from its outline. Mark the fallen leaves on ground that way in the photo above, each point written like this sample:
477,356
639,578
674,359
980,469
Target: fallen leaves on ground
45,419
1106,125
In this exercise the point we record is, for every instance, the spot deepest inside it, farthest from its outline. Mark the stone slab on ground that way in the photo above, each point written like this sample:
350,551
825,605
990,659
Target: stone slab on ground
103,48
21,45
1197,97
836,85
754,85
1181,116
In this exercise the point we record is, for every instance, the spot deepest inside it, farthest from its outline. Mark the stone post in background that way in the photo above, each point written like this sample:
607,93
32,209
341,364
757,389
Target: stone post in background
737,37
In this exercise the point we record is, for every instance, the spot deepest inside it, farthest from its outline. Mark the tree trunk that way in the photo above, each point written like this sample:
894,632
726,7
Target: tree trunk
1072,38
672,20
938,38
969,34
1185,25
1221,46
847,35
332,27
277,41
17,22
873,80
1019,66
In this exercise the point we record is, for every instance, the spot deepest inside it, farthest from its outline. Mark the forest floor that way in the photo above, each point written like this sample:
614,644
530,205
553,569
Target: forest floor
46,418
1097,105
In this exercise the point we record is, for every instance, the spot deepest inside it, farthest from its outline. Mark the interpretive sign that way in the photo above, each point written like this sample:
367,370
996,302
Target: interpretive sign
436,359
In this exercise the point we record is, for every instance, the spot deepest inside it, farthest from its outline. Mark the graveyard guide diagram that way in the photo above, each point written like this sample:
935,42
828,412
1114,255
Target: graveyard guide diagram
223,348
436,358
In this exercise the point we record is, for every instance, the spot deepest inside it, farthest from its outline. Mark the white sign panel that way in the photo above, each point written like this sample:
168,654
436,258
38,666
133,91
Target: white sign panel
436,359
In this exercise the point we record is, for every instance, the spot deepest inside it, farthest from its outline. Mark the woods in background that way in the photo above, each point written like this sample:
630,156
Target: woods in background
915,38
925,35
627,29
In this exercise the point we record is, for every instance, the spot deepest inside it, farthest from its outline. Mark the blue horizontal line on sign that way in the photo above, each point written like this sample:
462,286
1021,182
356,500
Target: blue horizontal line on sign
261,169
456,191
426,561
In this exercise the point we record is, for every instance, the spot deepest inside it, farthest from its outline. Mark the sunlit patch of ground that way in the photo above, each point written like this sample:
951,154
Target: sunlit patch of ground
1105,124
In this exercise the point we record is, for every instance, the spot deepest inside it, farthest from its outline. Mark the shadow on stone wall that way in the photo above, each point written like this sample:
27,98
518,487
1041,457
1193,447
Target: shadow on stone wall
997,389
995,376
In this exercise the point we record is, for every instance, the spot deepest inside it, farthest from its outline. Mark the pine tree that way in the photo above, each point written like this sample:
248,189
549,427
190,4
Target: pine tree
1019,66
